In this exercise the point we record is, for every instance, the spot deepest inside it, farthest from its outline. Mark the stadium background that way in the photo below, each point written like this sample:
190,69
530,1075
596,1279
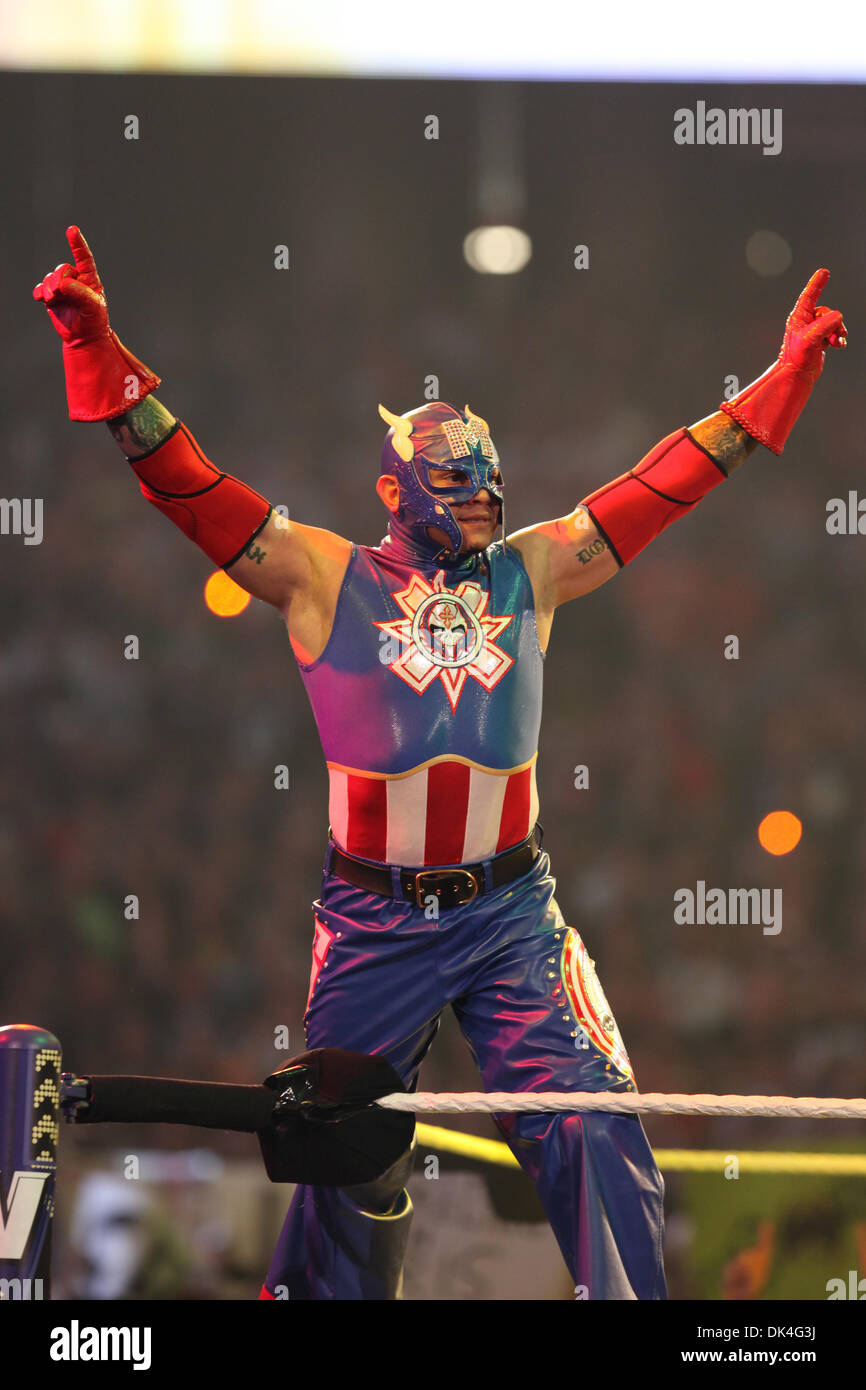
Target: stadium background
155,777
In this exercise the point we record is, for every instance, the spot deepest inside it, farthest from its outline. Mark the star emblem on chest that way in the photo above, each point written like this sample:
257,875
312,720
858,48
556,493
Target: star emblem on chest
446,635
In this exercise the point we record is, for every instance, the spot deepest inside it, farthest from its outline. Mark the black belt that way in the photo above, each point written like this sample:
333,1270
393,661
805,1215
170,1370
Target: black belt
452,887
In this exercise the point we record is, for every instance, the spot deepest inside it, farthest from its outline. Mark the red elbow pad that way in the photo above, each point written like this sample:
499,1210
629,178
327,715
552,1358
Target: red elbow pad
670,480
220,513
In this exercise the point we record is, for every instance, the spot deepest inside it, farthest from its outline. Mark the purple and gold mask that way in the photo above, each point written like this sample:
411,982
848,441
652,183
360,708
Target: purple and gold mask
438,436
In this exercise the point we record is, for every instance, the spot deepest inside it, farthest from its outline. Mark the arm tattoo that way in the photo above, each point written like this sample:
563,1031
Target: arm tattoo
722,437
142,428
588,552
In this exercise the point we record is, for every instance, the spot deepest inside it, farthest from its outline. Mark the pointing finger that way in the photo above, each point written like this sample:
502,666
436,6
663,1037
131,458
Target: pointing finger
811,294
81,252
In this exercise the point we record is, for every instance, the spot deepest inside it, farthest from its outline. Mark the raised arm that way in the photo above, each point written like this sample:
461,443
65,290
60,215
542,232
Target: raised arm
296,568
574,554
571,556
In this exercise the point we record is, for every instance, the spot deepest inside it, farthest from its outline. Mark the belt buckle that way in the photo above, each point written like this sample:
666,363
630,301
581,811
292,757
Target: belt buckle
445,873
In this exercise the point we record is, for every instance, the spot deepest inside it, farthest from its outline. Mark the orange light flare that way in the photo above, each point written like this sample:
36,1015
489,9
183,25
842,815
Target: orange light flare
224,597
779,832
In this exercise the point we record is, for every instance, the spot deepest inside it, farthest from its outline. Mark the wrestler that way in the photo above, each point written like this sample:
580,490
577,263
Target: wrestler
436,890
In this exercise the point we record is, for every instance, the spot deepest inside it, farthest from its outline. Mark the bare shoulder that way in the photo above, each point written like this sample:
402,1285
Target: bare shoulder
531,549
310,606
533,546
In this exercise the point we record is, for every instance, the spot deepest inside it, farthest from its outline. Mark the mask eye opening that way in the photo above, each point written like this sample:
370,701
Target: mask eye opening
458,478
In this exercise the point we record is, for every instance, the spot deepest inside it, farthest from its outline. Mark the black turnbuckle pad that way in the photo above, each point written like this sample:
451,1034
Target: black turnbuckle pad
325,1127
315,1117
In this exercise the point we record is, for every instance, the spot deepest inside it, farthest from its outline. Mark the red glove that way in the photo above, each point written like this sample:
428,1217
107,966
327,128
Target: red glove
103,379
768,408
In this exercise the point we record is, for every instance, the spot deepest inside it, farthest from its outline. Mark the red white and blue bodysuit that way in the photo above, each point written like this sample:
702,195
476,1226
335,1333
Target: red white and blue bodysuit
427,698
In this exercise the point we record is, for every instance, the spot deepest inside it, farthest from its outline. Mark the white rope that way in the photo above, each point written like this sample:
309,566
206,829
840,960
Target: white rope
627,1102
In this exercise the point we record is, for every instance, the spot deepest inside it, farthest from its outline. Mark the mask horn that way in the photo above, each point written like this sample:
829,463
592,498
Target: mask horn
401,442
473,416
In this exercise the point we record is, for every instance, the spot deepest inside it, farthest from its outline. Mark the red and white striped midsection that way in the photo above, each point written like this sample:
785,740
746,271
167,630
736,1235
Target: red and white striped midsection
447,811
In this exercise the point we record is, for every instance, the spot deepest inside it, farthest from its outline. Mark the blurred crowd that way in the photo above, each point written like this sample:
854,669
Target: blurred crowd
156,886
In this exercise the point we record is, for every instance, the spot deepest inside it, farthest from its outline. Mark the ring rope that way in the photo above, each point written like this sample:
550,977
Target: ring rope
625,1102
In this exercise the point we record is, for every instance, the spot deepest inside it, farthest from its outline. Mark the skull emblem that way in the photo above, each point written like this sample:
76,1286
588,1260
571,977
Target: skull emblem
446,626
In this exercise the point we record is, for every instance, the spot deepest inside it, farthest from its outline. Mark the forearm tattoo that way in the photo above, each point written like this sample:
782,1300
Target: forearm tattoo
722,437
142,428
